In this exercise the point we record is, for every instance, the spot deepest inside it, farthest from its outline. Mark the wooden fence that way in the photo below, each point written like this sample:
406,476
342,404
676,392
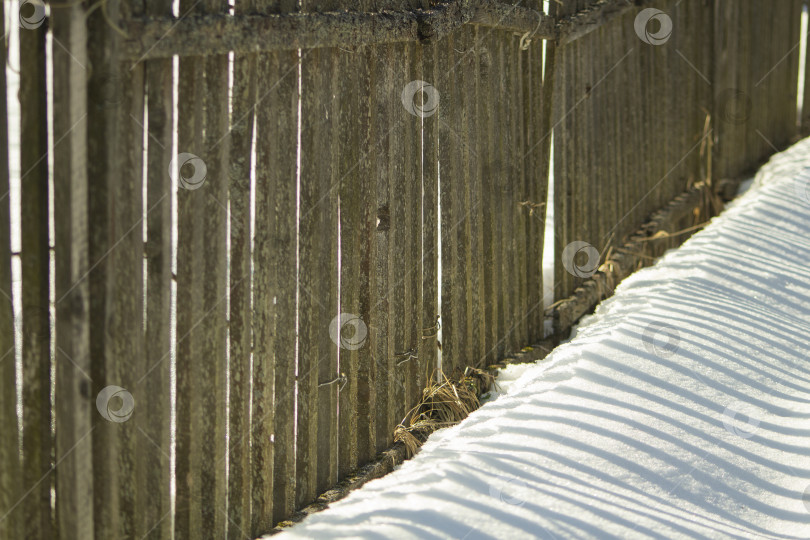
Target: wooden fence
240,224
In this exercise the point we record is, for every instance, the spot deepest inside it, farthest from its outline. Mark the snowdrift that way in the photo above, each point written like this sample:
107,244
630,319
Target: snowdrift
681,408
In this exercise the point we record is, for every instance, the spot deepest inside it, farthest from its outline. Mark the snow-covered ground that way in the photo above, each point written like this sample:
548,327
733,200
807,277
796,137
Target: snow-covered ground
681,409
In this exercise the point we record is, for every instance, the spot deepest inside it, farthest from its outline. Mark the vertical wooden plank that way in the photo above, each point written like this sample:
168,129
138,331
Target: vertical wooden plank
645,116
682,108
793,36
706,48
11,522
210,335
562,278
189,123
502,198
474,262
414,316
672,156
74,396
428,345
154,418
751,64
590,177
380,62
688,110
634,118
605,107
486,145
449,129
519,192
721,54
406,190
399,142
504,190
329,378
651,70
279,166
36,329
201,327
789,30
357,228
274,358
243,98
392,125
643,113
608,114
575,225
459,228
115,172
462,340
313,293
601,158
761,87
734,72
534,216
562,120
317,367
548,74
805,119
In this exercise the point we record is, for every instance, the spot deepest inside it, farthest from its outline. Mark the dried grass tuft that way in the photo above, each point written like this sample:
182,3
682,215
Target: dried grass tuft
443,404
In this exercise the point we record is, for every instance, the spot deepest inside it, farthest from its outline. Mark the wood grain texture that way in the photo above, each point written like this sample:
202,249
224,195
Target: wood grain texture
189,129
115,173
399,145
274,358
201,296
318,287
240,317
474,199
805,118
485,147
428,345
382,84
449,118
74,395
503,196
533,216
37,441
154,420
357,230
11,521
414,309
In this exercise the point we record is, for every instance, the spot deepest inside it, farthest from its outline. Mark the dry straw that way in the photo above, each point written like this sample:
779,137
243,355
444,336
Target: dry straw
443,404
